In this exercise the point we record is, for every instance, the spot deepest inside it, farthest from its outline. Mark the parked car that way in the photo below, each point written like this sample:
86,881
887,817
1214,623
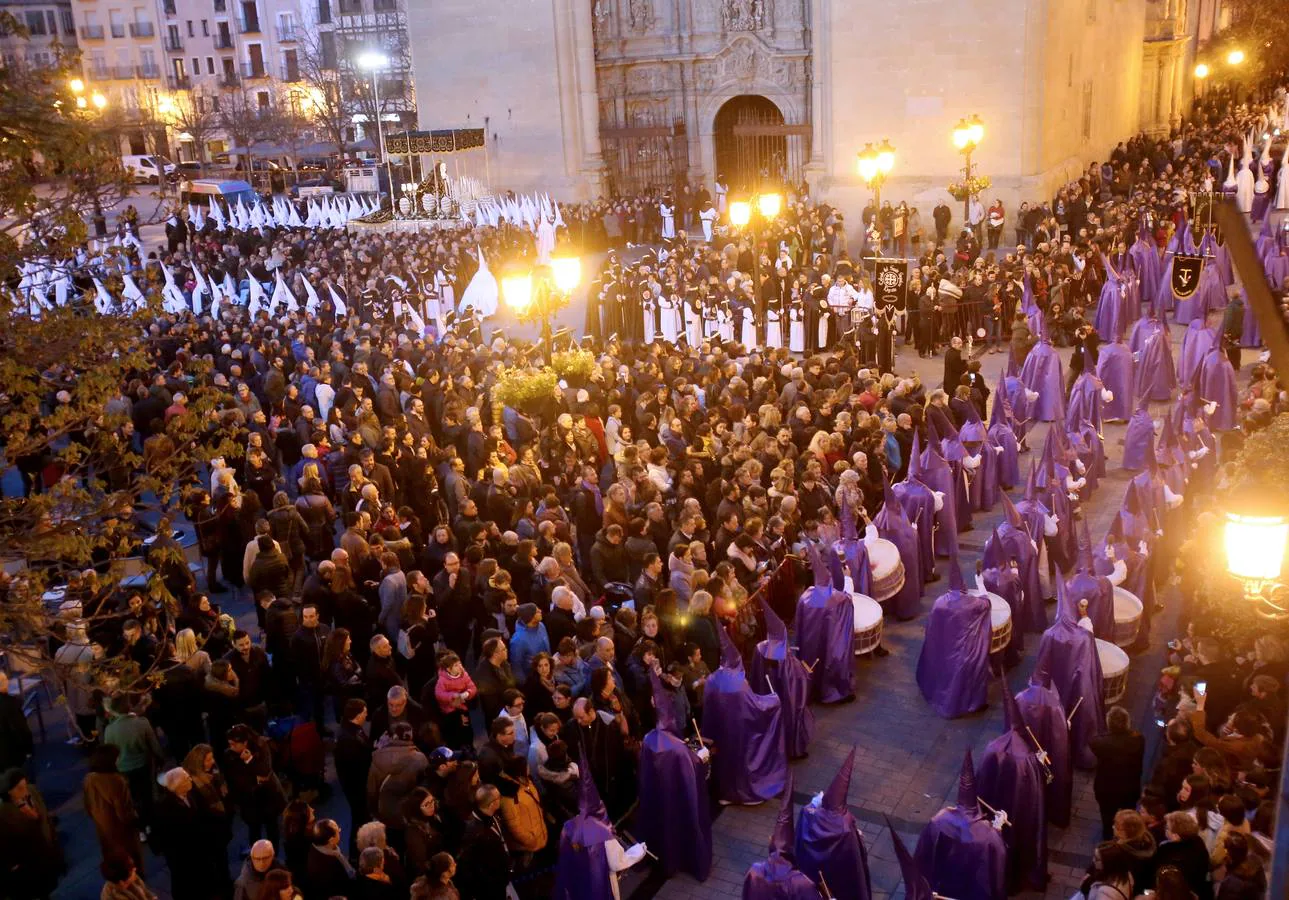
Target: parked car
202,189
148,169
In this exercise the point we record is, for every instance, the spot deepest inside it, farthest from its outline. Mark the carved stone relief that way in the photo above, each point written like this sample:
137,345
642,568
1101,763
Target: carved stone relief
640,15
648,79
743,15
744,60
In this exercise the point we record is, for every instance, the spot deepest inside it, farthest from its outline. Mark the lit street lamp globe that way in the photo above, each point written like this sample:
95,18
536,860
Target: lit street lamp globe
769,205
567,272
740,213
517,290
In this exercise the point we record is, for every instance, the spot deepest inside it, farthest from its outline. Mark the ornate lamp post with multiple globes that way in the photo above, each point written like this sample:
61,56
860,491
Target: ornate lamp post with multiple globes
751,213
875,163
536,295
967,135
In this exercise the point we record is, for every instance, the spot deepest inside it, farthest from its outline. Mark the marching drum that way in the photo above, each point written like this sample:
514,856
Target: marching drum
1114,671
868,623
1127,617
887,569
1000,623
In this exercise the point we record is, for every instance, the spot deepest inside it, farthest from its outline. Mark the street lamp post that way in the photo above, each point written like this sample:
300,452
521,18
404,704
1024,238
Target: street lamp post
373,62
967,135
752,212
874,165
539,294
98,102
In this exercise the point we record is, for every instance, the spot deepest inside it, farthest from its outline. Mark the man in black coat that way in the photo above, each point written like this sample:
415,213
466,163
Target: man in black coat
1185,849
15,734
251,664
601,742
306,648
559,621
484,861
452,601
191,839
1117,783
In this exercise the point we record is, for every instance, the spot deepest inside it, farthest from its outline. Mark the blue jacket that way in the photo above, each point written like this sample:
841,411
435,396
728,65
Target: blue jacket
527,642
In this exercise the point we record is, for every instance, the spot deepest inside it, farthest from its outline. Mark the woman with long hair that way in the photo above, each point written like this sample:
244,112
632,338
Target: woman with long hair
297,837
188,653
341,671
278,884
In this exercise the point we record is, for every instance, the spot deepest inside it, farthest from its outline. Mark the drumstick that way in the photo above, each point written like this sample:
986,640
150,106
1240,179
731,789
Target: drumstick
811,667
694,722
770,684
823,882
1035,740
1069,720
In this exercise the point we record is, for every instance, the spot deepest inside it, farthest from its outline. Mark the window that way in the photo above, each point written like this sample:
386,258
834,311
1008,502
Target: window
328,44
210,65
191,33
51,20
36,23
1069,74
1087,110
69,24
324,12
221,5
262,98
214,102
205,27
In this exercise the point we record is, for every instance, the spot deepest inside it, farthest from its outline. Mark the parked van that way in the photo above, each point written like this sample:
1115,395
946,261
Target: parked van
200,190
146,169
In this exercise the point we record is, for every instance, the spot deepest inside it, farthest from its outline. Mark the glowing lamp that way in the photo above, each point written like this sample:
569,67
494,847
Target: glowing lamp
740,213
1255,546
867,163
1235,57
81,103
76,85
518,291
372,61
885,157
99,100
769,205
961,135
567,272
975,130
1201,71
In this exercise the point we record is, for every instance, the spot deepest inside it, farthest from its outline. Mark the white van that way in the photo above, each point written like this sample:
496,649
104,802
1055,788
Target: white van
145,169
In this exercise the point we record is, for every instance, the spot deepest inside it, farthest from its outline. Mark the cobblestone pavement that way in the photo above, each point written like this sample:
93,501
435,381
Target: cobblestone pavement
907,758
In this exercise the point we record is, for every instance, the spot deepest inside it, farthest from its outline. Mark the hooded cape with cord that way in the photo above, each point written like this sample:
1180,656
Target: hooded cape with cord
1196,343
1003,434
674,816
1005,581
582,869
1012,540
953,666
825,626
776,669
1010,778
1156,375
915,883
749,763
1217,383
1085,584
1041,710
1116,370
893,525
919,502
1076,674
959,852
852,550
829,846
775,877
1139,439
936,473
1041,373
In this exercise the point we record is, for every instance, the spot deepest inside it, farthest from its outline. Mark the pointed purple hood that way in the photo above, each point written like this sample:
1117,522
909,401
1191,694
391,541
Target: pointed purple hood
776,633
665,706
834,798
915,456
967,800
730,658
783,840
916,886
1010,513
1042,674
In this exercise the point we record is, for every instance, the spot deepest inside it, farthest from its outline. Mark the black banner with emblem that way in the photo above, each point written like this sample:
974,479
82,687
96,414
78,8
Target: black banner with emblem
891,284
445,140
1186,273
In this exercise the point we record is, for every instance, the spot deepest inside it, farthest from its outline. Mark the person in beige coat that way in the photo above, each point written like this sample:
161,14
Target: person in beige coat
108,803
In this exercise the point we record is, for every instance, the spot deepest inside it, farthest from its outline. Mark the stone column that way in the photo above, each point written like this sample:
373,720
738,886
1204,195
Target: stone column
820,91
587,96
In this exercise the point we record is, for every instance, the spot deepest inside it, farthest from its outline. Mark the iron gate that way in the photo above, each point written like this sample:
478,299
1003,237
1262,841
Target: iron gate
644,157
756,148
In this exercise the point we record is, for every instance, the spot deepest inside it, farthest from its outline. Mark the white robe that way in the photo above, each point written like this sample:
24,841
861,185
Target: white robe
545,242
670,320
1244,189
720,191
725,324
749,329
646,311
693,324
707,217
773,331
797,328
668,220
823,330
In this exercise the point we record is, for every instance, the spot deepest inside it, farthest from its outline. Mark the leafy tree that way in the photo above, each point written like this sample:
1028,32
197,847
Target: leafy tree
330,106
1261,30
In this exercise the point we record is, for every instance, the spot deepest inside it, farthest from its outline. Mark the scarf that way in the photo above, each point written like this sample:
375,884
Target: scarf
595,492
335,853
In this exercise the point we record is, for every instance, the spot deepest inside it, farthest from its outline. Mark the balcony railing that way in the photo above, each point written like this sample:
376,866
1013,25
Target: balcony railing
121,73
229,80
142,29
178,82
148,70
174,43
92,32
286,33
100,73
254,70
223,42
248,26
118,30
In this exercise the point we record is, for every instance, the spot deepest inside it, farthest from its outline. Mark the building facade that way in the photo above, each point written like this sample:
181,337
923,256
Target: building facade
588,96
51,31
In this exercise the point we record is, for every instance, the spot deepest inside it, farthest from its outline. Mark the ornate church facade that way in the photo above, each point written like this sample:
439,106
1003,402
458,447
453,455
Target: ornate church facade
583,98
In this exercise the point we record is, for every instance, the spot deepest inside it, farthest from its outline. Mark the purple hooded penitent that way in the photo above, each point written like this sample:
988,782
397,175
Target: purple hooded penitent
893,525
1139,439
1196,342
1156,376
1010,541
1143,330
959,852
748,762
1116,370
825,625
944,436
674,816
986,481
1002,433
1010,778
1020,401
1005,582
937,474
1041,710
829,847
1076,675
851,550
582,870
953,667
1085,401
775,669
916,887
776,878
1110,314
1145,259
918,500
1097,590
1035,513
1042,374
1217,383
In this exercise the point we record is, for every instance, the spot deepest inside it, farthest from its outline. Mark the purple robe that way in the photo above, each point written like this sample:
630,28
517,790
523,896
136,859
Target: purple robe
938,476
918,502
1010,778
1163,299
1099,593
1085,402
1022,407
1217,383
1041,373
893,525
1010,542
1076,674
1156,376
1110,316
825,626
1005,582
674,817
748,763
1139,440
582,869
777,879
953,667
775,669
1040,707
959,852
1252,335
828,845
1143,330
1145,259
1277,269
1196,343
853,552
1115,369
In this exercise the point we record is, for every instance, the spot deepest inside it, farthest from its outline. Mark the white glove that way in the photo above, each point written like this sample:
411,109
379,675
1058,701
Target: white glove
1210,407
870,534
1049,525
1074,498
998,450
1080,467
1075,485
1173,500
971,463
1200,453
1107,395
1142,548
1158,425
703,754
1031,396
1119,574
939,500
1034,543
